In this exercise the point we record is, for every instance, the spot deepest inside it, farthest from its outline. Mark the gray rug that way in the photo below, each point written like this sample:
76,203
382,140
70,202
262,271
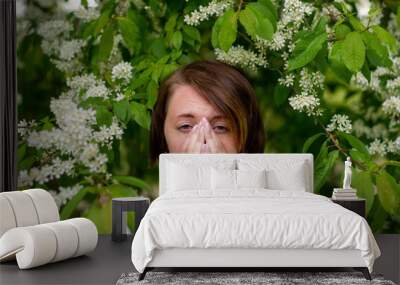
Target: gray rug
230,278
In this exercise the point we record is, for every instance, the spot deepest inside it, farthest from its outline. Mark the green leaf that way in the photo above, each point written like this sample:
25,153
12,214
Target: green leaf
309,53
166,71
106,44
84,3
281,93
133,181
129,31
100,215
354,142
265,29
362,181
377,216
170,24
228,30
362,158
357,25
386,37
142,78
122,110
151,90
140,115
336,62
102,21
262,12
192,32
100,211
398,16
119,190
215,32
388,192
248,19
341,31
323,170
310,141
21,151
353,52
177,39
265,22
271,7
89,29
377,53
103,116
366,71
71,205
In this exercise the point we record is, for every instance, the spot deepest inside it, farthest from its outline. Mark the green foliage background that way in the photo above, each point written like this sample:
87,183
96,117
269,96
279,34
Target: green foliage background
156,41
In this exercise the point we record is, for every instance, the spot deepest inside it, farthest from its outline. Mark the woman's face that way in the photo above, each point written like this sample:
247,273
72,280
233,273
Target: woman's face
186,108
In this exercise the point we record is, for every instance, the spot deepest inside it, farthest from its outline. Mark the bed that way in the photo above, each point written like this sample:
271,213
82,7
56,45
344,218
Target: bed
247,210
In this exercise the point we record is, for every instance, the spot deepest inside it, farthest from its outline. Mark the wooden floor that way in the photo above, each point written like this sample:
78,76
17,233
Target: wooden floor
111,259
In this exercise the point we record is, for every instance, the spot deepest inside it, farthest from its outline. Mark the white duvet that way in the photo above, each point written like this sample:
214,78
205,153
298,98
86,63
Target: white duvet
253,218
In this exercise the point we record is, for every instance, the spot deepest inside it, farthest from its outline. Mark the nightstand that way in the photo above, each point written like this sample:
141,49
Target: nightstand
119,208
356,205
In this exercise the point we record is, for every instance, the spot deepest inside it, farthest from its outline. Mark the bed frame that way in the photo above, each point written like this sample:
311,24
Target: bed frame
244,259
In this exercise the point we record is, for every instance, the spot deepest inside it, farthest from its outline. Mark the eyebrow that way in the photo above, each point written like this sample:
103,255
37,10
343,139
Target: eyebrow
190,115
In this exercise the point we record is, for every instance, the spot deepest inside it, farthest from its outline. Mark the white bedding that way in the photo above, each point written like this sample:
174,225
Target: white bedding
251,218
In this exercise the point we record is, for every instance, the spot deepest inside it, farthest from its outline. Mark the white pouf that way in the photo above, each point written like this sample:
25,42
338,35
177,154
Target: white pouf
31,233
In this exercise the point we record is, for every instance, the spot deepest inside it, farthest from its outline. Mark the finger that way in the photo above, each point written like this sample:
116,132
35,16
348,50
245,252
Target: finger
194,143
188,138
215,144
208,130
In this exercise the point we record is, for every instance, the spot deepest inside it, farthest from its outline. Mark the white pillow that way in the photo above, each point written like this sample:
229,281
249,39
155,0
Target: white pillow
293,179
183,177
282,174
193,174
251,178
223,179
229,179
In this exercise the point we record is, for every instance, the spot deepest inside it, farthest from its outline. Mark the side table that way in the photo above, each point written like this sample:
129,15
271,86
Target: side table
119,208
356,205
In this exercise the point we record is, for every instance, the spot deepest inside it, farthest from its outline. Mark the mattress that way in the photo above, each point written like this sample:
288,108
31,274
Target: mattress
251,218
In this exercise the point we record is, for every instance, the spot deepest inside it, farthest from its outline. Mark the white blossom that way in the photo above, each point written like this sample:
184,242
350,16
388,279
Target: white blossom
311,82
50,47
74,129
293,15
239,56
24,127
119,96
214,8
384,147
122,71
82,82
47,172
97,91
93,159
391,106
288,80
87,15
106,134
49,30
303,103
69,67
397,142
340,123
64,194
377,147
69,49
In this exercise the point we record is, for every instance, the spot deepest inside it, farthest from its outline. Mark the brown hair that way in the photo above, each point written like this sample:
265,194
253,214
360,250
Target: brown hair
226,88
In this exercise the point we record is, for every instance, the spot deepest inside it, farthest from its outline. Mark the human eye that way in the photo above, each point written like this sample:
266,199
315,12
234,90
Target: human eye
220,129
185,127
